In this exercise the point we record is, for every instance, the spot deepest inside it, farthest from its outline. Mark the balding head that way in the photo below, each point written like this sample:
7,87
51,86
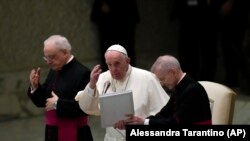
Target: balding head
167,69
165,63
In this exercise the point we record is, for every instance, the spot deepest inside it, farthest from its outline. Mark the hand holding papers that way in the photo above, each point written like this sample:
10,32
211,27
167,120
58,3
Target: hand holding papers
115,107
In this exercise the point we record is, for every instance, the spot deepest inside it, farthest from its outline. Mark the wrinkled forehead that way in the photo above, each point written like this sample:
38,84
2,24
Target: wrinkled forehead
114,57
114,54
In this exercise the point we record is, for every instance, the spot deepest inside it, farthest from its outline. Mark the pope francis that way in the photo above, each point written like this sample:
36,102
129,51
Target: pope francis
148,95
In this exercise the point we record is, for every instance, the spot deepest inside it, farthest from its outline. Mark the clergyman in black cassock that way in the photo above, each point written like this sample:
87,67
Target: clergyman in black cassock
65,121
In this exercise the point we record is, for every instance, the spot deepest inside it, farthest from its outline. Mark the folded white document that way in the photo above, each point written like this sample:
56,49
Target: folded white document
114,107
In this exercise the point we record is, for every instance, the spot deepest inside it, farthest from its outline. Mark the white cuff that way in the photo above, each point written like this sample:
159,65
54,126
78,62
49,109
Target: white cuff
146,121
90,91
55,104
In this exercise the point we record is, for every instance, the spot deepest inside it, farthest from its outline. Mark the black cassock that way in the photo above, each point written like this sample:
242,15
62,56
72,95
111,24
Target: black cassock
66,83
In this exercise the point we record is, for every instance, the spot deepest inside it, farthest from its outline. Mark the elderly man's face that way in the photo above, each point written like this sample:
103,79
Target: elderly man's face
54,57
117,64
166,78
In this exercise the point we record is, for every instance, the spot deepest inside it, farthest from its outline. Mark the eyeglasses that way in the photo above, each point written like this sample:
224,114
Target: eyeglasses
54,56
49,58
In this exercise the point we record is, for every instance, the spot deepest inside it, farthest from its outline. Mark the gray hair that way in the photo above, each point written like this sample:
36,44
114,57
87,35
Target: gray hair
59,41
166,62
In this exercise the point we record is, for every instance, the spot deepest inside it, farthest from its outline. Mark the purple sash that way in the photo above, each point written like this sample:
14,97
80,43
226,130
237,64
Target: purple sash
67,128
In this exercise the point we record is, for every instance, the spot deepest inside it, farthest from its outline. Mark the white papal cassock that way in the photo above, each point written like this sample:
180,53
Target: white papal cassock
148,94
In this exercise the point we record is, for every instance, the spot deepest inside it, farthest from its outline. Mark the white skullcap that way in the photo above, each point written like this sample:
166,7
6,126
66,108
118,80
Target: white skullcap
118,48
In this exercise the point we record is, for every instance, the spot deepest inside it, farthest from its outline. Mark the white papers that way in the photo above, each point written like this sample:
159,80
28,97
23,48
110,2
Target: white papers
114,107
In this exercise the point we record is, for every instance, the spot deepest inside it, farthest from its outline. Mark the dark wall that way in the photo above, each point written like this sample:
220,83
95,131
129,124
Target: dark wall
26,24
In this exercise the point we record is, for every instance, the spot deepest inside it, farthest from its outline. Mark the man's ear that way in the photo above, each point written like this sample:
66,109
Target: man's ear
128,60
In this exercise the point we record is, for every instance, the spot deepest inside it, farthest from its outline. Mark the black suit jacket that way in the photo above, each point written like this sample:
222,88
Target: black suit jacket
65,83
188,104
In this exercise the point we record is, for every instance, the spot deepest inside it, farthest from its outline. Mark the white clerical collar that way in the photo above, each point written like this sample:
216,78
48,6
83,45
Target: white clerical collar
129,70
70,59
127,73
181,78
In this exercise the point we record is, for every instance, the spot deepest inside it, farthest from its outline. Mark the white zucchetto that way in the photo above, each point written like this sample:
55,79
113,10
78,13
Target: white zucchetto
118,48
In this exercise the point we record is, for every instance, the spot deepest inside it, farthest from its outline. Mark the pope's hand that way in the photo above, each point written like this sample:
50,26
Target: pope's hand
94,76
